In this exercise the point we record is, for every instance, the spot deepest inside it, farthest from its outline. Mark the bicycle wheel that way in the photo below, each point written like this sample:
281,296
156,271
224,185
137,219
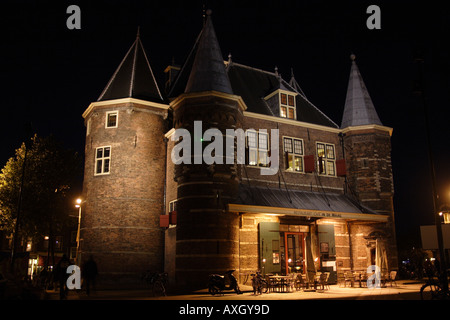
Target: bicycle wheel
213,290
430,291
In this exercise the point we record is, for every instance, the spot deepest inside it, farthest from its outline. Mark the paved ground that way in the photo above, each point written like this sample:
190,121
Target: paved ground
405,290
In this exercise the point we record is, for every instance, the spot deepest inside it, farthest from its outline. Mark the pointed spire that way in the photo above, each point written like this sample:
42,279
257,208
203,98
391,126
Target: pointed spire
359,109
208,70
133,78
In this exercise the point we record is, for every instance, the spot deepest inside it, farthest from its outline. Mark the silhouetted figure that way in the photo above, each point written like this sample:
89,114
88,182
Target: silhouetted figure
90,273
62,276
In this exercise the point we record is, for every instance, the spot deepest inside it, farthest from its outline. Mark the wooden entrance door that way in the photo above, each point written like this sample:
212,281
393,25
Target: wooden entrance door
294,252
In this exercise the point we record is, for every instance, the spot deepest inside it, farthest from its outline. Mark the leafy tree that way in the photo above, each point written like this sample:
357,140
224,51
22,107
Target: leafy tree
51,178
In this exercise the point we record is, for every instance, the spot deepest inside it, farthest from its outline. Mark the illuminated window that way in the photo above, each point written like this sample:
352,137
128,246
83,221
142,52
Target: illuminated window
293,151
326,159
258,148
287,106
102,160
111,119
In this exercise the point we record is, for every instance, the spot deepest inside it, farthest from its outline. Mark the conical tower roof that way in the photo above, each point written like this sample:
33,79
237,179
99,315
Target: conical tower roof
359,109
208,70
133,78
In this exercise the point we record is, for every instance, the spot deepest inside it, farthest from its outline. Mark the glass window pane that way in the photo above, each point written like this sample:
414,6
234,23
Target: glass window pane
98,168
283,98
291,162
112,120
291,113
298,164
330,168
252,157
263,141
287,145
330,151
99,153
251,138
263,159
291,100
298,146
320,150
106,166
107,152
283,112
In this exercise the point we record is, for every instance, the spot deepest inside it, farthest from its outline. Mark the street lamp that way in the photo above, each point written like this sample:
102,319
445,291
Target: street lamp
78,205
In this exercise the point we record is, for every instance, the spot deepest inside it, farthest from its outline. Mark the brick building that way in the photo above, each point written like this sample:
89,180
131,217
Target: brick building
328,206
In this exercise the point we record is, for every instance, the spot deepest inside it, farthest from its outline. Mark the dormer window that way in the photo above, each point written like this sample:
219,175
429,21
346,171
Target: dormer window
287,106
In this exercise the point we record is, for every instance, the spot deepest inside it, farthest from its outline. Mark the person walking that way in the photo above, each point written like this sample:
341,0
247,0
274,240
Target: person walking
90,273
61,273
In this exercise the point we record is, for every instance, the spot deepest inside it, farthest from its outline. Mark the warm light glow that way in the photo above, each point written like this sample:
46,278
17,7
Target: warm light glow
46,238
78,201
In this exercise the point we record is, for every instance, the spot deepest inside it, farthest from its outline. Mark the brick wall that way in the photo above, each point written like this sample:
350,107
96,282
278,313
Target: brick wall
120,216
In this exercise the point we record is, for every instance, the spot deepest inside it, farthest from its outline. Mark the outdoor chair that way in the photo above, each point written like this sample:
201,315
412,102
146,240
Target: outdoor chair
349,277
392,276
300,282
323,280
340,279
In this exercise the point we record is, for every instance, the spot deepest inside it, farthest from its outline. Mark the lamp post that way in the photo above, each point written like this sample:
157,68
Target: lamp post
78,205
437,217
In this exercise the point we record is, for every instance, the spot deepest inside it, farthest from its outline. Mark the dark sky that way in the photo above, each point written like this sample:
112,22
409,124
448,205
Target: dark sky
49,74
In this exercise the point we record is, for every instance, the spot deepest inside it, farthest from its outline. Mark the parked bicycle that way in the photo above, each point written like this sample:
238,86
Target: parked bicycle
157,282
433,289
259,284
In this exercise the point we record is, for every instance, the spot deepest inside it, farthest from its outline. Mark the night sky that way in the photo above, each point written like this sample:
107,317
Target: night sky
50,74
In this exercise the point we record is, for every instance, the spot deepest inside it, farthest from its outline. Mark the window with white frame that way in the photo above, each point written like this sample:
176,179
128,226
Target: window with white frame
258,148
102,160
287,106
293,151
112,118
173,205
326,159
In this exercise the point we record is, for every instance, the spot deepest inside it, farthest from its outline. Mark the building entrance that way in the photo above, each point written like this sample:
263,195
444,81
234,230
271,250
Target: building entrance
293,252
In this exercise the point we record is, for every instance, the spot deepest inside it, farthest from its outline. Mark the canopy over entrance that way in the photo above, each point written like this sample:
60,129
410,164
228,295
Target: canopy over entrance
253,199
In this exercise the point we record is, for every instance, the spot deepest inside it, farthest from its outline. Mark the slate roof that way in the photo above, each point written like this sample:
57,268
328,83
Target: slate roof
359,109
208,70
133,78
204,68
254,84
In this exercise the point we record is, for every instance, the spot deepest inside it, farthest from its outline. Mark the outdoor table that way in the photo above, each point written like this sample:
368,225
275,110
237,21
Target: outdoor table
280,282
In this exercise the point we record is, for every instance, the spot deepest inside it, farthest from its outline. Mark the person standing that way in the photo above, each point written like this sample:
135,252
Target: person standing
90,273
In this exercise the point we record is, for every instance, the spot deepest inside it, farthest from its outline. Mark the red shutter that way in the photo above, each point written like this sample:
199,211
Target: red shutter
164,221
173,217
341,170
309,163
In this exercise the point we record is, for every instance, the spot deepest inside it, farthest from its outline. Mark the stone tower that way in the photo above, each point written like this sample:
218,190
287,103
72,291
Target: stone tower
207,236
367,146
124,158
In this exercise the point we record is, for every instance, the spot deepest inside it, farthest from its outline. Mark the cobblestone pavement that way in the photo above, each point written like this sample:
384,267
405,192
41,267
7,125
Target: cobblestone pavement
404,290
